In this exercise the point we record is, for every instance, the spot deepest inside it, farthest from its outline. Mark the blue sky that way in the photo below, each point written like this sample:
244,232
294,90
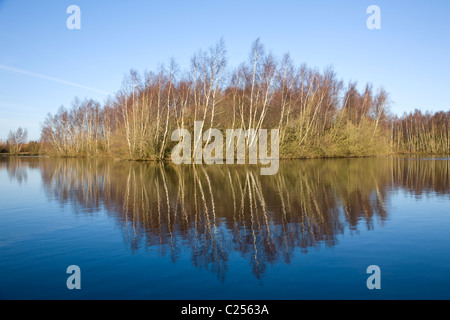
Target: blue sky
44,65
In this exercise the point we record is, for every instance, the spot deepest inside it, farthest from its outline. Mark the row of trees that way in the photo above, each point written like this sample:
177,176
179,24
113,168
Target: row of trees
17,143
423,133
317,114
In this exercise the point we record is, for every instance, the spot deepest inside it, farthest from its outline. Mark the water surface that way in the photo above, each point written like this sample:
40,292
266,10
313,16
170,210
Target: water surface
160,231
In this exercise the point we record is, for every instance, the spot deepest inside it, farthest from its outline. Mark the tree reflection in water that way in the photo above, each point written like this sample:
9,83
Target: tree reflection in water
216,211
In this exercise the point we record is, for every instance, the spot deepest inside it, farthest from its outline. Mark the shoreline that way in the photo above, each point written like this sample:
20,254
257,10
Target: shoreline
5,155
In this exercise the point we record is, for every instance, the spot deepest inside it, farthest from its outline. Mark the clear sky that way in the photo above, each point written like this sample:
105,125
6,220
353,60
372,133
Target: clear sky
44,65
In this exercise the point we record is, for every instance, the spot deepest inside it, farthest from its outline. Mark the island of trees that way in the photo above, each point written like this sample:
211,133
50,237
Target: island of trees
317,114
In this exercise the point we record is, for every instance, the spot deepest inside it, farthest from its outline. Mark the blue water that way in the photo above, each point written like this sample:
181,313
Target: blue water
126,227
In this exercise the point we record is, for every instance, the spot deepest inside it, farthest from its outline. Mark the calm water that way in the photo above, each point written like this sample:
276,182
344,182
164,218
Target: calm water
153,231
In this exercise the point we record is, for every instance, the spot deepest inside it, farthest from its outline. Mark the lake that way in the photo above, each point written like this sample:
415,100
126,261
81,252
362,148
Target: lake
144,230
